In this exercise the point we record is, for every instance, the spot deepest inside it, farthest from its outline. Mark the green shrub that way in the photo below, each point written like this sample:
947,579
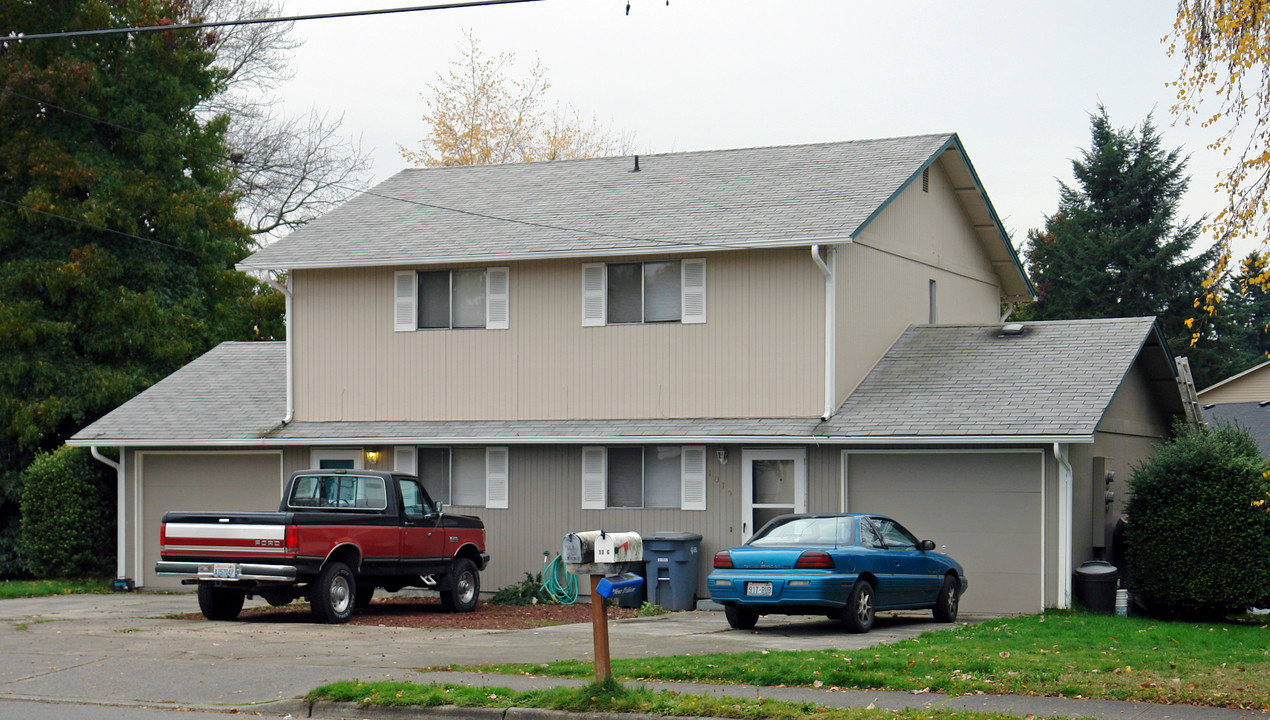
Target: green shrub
68,515
1197,544
526,592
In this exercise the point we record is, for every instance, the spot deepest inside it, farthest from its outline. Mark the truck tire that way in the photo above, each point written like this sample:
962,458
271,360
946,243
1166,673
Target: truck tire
334,594
219,603
365,593
464,587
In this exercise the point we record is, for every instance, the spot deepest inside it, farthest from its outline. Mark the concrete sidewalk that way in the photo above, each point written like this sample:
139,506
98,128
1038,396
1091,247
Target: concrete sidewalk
125,650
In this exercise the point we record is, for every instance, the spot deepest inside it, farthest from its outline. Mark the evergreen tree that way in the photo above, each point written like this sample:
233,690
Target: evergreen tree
1115,247
1248,305
118,234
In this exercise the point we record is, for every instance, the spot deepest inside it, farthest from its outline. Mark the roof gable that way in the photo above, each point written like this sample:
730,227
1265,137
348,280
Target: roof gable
676,202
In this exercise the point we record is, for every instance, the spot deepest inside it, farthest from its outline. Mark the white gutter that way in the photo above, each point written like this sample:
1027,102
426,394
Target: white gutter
121,536
857,441
831,326
286,293
1061,455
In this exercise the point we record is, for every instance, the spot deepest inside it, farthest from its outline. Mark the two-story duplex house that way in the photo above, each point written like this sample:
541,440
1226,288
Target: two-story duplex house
690,341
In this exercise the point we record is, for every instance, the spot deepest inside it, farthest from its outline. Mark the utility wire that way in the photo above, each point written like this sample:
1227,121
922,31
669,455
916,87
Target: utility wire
258,21
372,193
103,228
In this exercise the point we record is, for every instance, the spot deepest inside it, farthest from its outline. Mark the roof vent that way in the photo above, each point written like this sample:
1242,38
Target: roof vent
636,164
1012,329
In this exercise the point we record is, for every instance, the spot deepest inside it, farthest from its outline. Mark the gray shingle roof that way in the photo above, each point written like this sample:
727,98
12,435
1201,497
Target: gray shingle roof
236,390
756,197
1253,416
1057,378
937,382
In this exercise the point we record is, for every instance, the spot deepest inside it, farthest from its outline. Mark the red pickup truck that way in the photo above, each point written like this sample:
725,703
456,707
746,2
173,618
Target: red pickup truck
337,536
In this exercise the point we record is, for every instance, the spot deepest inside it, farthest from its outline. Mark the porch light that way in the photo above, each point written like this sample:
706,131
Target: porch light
372,456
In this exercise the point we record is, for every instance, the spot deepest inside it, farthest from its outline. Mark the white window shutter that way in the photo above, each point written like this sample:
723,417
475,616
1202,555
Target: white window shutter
593,294
694,477
694,290
593,478
497,298
496,477
404,460
405,292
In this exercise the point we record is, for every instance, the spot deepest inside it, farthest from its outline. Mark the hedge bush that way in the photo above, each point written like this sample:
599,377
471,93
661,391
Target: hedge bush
68,515
1197,543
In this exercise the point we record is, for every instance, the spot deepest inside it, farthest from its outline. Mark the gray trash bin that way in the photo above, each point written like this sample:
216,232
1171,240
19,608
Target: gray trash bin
1095,586
671,562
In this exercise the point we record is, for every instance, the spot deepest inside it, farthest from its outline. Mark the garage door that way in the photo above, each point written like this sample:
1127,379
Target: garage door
201,481
984,508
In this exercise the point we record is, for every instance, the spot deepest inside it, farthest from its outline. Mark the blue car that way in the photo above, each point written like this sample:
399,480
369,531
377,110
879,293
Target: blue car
843,565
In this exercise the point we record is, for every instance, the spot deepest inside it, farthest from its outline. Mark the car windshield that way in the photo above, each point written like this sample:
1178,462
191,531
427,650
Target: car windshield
806,531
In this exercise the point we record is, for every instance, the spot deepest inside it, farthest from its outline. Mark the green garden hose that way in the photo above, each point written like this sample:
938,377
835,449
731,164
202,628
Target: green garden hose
565,594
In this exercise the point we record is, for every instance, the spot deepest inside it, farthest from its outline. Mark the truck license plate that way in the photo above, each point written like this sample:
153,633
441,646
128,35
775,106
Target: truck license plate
229,571
758,588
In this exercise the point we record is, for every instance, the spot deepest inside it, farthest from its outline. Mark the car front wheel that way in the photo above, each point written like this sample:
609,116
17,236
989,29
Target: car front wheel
858,614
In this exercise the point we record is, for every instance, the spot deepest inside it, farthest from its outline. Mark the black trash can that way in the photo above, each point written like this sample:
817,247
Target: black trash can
671,562
1095,586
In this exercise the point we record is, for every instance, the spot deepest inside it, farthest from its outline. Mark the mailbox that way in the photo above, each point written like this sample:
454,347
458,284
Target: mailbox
619,585
595,552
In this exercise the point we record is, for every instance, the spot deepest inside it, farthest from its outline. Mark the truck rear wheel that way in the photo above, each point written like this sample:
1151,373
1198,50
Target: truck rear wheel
219,603
334,594
464,587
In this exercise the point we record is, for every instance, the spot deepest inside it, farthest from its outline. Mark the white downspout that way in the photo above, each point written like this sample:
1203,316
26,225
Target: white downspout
831,326
286,293
1061,455
121,508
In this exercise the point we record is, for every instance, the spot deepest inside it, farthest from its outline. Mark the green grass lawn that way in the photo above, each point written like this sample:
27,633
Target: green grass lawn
10,589
612,697
1058,653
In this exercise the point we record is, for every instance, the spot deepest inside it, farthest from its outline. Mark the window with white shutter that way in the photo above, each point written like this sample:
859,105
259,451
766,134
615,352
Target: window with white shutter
694,478
404,460
593,481
662,291
694,291
404,300
496,477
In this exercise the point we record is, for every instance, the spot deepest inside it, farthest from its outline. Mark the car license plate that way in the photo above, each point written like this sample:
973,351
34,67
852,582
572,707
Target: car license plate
225,571
763,589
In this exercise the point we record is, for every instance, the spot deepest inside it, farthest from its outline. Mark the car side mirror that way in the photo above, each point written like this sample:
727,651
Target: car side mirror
926,545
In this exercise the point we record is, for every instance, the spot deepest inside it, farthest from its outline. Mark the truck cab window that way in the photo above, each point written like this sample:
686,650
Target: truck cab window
414,503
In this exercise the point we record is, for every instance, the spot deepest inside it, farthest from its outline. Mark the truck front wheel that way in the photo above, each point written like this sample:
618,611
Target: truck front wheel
219,603
334,594
465,587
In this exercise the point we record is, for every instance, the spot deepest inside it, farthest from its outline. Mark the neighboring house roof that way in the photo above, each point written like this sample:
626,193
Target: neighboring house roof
1253,416
676,202
937,384
1056,378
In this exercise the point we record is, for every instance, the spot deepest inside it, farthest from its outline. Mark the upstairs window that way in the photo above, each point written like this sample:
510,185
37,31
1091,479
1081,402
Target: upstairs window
444,299
665,291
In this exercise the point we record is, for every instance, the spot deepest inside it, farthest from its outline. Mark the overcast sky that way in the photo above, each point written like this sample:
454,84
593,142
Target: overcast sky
1016,80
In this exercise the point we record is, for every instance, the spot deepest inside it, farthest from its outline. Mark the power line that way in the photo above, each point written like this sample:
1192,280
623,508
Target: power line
372,193
259,21
103,228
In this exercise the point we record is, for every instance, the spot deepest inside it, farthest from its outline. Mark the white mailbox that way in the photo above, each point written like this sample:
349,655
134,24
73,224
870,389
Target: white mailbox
595,552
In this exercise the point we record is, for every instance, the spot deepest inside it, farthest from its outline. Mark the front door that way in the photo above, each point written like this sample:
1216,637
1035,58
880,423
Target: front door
774,482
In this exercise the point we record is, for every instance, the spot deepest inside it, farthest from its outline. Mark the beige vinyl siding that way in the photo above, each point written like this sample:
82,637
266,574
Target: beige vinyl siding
760,353
884,277
1252,386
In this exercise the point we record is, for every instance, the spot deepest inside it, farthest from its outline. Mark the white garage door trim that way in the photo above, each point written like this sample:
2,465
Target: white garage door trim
138,485
1041,455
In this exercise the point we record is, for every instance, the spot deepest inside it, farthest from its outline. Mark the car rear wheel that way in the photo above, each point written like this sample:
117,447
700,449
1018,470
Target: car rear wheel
219,603
465,587
334,594
946,603
741,618
858,614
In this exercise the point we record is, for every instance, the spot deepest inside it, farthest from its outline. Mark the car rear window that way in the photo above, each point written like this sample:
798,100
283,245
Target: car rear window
824,531
343,492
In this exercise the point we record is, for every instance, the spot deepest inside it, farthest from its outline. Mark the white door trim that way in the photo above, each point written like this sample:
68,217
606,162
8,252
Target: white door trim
748,456
317,455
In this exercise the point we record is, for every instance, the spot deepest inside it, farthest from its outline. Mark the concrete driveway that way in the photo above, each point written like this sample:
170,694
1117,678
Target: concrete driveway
123,648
